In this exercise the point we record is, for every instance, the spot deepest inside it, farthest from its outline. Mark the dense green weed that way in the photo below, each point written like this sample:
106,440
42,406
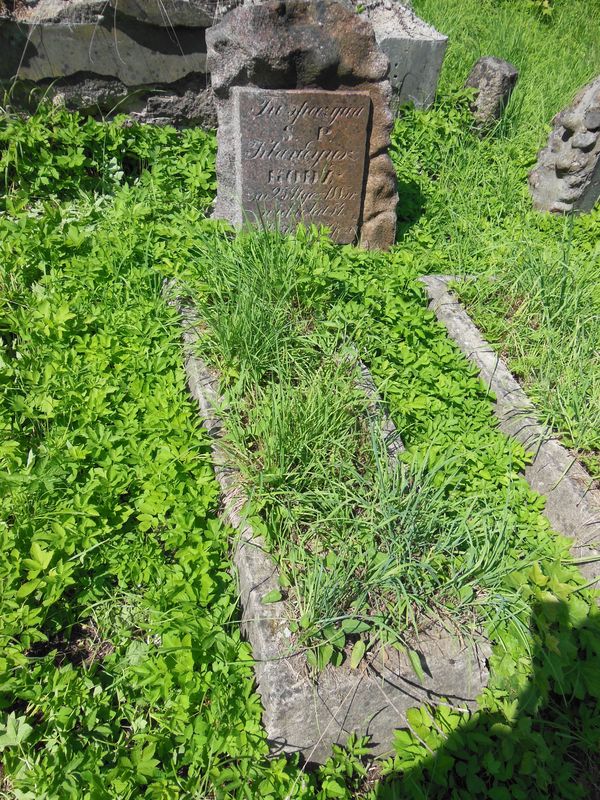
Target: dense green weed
122,672
117,602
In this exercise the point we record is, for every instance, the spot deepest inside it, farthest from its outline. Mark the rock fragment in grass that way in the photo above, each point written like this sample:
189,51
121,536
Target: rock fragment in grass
494,79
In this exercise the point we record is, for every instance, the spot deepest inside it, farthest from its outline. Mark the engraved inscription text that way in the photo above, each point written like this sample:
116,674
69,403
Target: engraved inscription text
302,157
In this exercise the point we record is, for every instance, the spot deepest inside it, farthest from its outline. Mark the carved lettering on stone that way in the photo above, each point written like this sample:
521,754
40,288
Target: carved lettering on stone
302,157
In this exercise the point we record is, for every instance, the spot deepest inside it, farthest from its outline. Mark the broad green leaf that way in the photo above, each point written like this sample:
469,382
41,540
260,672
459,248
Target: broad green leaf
17,730
351,626
43,557
333,788
274,596
358,652
415,662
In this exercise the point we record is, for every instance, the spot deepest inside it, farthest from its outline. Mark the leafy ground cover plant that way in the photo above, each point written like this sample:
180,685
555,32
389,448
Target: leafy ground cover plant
118,606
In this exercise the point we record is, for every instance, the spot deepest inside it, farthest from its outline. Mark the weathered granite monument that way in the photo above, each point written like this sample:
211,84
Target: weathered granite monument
304,121
415,49
567,175
303,153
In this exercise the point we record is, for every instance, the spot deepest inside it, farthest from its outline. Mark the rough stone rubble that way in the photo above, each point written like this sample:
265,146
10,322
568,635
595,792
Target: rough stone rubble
147,58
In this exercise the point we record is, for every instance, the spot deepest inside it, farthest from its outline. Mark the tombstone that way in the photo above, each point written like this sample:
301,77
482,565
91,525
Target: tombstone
494,80
304,121
415,50
567,175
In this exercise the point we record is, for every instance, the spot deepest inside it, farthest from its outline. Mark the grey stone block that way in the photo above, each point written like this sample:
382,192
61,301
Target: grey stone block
83,55
415,51
301,713
173,13
185,103
133,53
163,13
41,12
494,80
572,502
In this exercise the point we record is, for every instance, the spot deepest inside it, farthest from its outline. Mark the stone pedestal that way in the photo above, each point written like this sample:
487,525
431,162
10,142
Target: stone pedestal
144,58
415,50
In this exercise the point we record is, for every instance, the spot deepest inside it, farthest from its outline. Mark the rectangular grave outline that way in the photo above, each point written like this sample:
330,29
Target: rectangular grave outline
246,214
302,715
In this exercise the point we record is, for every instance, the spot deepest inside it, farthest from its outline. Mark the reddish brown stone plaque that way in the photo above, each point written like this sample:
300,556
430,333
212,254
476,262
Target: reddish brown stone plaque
301,157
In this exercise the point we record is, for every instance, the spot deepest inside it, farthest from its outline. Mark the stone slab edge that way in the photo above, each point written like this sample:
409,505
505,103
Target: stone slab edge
134,52
572,503
300,714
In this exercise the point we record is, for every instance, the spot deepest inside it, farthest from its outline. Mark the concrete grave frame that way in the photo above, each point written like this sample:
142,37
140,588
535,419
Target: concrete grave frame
302,714
572,502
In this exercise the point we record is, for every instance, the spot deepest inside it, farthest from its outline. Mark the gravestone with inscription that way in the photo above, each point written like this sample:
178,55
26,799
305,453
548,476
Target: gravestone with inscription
303,156
304,121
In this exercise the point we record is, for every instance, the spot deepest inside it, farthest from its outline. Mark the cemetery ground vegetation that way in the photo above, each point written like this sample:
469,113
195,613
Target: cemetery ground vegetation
122,669
365,546
532,281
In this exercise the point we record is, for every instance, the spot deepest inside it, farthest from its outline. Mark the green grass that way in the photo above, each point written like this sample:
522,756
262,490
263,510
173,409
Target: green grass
467,211
122,670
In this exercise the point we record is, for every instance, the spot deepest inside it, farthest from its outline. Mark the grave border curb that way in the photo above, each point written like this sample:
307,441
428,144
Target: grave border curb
572,503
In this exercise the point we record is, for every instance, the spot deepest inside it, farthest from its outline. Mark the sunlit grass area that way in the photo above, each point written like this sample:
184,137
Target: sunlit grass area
123,670
467,209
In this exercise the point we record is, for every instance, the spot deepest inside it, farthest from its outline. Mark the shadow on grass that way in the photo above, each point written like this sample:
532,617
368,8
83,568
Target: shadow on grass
411,206
546,746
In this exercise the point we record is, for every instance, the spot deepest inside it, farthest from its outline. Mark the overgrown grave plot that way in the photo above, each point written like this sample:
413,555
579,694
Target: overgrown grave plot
542,317
536,731
535,293
368,555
